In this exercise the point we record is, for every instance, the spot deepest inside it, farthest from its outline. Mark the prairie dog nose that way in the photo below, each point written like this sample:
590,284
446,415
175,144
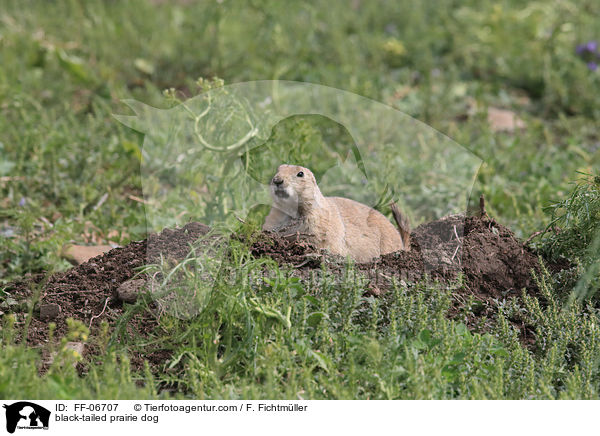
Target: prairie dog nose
277,180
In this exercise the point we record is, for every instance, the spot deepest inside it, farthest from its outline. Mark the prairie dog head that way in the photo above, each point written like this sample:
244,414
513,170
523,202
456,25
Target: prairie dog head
294,190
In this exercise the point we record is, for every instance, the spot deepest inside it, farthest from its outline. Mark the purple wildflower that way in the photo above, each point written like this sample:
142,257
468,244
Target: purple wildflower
588,47
589,54
592,46
22,202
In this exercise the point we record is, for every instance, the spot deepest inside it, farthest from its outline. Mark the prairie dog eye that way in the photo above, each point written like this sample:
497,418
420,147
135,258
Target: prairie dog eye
300,174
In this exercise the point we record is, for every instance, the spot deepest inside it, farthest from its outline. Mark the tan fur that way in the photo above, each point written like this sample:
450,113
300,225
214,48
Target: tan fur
340,225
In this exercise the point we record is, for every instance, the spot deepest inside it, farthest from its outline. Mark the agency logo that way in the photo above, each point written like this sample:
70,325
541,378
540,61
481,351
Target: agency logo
26,415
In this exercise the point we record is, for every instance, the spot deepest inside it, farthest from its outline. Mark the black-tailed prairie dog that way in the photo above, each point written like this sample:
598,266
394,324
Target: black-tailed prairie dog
339,225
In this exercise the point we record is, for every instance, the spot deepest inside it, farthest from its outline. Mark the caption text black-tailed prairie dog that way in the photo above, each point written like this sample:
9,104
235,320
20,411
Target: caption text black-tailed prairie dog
340,225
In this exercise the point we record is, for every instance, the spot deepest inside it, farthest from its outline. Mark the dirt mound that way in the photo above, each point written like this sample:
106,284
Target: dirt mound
495,265
292,251
86,292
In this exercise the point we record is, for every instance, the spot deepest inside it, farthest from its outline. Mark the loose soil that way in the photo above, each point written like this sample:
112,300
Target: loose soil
493,263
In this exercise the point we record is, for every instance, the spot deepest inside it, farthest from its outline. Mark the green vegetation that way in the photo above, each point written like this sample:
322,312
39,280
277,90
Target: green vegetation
70,172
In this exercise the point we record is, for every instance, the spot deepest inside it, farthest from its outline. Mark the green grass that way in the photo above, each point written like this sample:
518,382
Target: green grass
70,172
278,339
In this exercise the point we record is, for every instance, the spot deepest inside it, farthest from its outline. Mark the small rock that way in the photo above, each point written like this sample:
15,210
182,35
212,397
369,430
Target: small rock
373,290
78,347
128,291
49,311
446,260
9,303
502,120
78,254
